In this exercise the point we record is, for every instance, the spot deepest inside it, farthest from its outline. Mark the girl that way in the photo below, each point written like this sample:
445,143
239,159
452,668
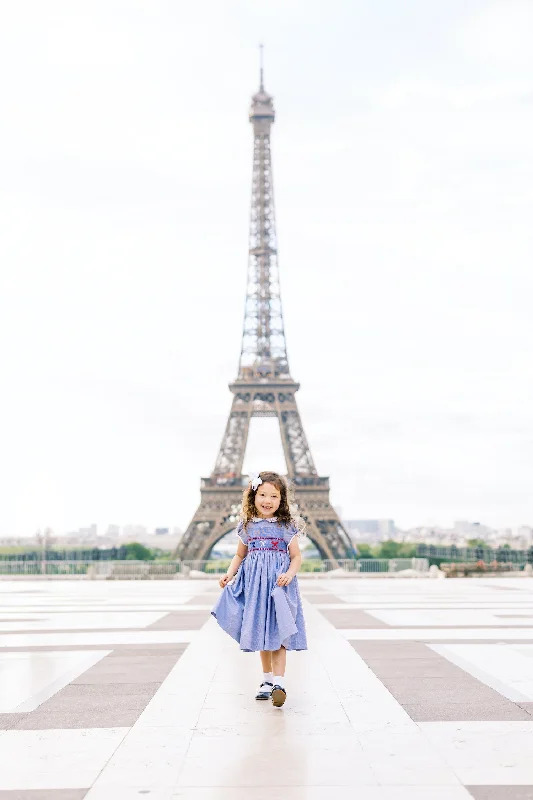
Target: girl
262,609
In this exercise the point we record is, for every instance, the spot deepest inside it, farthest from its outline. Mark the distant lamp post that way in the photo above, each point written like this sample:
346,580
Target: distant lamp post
39,541
45,538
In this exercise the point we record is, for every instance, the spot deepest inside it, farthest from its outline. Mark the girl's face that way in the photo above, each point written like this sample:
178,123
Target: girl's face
267,500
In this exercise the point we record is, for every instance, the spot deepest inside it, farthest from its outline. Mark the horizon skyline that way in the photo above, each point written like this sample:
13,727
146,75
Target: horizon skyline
151,528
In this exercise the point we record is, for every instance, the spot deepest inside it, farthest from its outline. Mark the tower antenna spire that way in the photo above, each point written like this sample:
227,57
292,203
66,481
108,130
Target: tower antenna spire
261,67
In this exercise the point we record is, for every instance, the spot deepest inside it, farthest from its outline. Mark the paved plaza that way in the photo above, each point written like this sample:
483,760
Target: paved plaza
411,690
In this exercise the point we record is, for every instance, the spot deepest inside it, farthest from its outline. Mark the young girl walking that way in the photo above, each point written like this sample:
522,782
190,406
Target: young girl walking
262,608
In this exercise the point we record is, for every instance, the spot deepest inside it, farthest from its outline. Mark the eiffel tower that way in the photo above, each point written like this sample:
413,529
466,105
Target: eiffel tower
264,386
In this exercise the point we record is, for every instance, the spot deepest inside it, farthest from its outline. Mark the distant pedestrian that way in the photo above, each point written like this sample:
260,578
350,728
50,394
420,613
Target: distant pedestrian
262,608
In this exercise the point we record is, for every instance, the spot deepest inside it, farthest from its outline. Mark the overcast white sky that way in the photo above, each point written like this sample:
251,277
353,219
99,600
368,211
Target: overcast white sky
403,181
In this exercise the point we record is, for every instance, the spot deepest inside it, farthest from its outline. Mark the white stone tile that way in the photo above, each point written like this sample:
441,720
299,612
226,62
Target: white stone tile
497,608
162,713
338,713
41,610
148,758
159,739
433,617
294,716
131,608
434,634
99,620
263,760
381,723
364,699
55,759
95,639
503,667
320,793
129,793
28,679
401,755
523,689
485,753
276,724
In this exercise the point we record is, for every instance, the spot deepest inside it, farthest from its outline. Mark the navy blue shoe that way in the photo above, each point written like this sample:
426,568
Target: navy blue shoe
265,691
279,695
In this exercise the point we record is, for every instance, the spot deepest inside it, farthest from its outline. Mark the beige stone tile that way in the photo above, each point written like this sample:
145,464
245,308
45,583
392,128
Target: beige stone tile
501,792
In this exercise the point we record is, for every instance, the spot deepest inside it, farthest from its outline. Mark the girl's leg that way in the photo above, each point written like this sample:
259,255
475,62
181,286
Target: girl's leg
265,692
266,660
279,660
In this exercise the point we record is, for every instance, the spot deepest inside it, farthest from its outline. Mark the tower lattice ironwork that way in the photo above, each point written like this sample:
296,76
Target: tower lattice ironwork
264,386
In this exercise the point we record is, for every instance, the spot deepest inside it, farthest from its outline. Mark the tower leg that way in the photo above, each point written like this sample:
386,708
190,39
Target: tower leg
231,454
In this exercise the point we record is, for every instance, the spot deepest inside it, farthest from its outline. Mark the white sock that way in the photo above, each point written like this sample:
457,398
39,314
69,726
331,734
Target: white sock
279,680
268,676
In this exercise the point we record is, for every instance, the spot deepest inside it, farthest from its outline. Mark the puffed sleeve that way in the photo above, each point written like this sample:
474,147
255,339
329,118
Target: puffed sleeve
242,534
290,532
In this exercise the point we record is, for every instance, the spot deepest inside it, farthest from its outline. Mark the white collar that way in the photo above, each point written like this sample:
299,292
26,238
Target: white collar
264,519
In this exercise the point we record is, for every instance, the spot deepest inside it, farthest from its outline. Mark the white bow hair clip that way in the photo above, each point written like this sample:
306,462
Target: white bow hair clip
255,479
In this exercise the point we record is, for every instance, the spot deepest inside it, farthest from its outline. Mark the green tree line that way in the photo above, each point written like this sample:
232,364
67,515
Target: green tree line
139,552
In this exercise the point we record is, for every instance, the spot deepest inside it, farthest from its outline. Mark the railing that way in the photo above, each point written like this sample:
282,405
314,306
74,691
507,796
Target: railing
55,568
449,553
171,569
378,565
92,569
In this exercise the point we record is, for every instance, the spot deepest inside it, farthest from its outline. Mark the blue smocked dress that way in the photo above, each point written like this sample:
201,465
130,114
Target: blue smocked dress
253,610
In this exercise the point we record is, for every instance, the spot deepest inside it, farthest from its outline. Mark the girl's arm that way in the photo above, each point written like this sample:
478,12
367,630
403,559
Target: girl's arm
296,562
236,561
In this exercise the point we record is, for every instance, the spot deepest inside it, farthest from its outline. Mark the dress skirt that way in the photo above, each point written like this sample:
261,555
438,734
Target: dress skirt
256,612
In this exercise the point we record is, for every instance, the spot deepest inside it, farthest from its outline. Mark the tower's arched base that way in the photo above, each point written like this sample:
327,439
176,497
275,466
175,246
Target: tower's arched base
219,509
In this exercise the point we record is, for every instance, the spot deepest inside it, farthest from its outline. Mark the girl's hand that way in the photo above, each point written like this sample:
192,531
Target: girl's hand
225,579
284,579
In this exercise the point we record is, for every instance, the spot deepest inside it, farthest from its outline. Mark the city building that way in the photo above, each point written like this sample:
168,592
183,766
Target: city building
372,531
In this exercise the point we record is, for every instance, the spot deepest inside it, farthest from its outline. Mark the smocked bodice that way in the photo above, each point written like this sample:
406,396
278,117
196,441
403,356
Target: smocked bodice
266,535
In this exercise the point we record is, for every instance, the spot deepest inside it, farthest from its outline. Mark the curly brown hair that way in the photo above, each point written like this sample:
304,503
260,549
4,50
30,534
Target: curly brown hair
287,511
